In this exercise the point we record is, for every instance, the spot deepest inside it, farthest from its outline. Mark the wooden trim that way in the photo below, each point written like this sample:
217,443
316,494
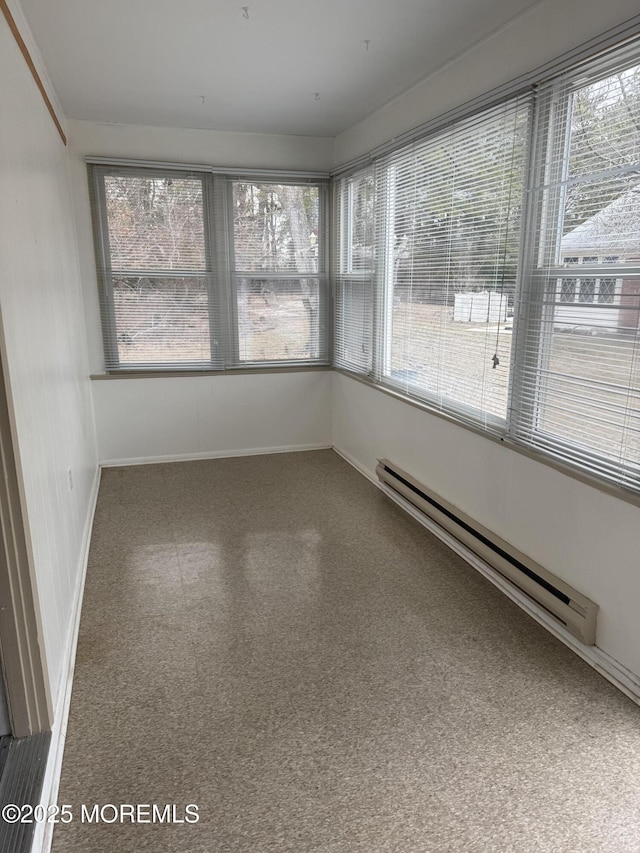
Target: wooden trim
27,56
23,657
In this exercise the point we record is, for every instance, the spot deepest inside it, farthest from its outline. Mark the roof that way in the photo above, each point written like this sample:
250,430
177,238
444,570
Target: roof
615,228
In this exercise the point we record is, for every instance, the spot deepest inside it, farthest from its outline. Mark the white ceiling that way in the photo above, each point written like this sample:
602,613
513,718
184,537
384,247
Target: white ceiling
203,64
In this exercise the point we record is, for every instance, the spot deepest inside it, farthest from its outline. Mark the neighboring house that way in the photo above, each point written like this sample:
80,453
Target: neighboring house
611,236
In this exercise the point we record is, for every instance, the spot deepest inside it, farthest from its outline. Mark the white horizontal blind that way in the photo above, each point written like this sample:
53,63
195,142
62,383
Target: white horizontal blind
354,267
155,268
448,213
577,387
155,223
278,272
199,271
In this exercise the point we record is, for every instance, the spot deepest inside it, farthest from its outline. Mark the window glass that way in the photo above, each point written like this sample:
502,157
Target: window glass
453,219
161,320
275,227
607,290
540,342
155,223
587,290
278,320
354,270
568,289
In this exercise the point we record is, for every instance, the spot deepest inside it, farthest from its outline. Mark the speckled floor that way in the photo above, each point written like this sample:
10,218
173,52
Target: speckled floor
271,639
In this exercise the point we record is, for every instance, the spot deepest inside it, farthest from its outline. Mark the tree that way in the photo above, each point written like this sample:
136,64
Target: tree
605,137
457,211
305,252
276,230
156,224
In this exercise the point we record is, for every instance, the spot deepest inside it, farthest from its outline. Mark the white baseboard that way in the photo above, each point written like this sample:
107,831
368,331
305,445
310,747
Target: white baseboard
43,834
615,672
369,474
211,454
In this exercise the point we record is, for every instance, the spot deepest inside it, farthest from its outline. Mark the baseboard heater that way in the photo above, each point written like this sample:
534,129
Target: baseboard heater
574,610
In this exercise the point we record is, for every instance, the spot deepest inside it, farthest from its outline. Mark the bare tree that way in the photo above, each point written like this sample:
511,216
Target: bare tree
305,256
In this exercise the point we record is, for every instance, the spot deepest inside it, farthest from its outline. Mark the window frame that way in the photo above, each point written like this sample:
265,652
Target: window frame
219,272
385,172
320,275
545,268
344,275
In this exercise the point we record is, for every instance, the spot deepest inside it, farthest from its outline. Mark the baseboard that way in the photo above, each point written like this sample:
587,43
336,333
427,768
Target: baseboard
369,474
43,835
211,454
615,672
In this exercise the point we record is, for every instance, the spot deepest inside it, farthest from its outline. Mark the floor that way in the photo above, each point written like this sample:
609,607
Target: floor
271,639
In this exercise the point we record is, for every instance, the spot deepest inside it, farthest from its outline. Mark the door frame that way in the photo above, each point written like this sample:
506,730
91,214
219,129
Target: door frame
22,654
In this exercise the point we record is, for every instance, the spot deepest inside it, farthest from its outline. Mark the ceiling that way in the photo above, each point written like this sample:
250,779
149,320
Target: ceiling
309,67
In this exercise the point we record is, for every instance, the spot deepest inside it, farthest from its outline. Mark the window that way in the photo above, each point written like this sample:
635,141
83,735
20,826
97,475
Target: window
577,387
444,215
202,271
587,291
354,222
517,310
568,290
276,273
606,290
601,290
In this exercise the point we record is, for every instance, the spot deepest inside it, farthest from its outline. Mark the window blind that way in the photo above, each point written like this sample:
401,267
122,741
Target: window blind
279,277
428,245
156,269
354,253
208,271
576,392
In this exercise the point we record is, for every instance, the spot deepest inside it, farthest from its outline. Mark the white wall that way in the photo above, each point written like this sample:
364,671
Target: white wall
193,416
534,38
46,360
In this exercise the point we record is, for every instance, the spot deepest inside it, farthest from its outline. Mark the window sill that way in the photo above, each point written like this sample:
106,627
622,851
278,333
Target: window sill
232,371
620,492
